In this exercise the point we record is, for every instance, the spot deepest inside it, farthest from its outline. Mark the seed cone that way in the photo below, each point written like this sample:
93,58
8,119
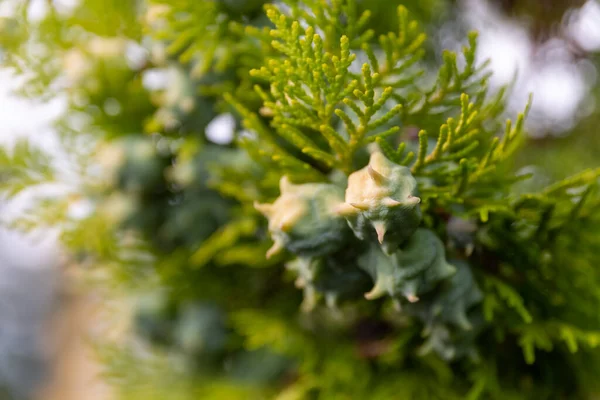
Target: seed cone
381,202
303,219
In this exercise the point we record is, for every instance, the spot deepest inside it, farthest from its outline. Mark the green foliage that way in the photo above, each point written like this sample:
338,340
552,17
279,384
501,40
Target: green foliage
498,291
436,269
22,167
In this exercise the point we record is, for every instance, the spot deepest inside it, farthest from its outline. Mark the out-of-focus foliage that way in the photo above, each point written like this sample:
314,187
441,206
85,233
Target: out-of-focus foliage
427,264
23,166
576,151
542,16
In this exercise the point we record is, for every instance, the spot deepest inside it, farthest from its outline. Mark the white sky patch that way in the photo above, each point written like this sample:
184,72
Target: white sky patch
505,43
65,7
135,55
32,119
221,129
584,26
155,79
26,117
560,85
558,89
37,10
507,50
80,209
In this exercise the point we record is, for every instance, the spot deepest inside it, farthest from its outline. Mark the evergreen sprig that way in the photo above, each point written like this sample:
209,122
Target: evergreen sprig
437,265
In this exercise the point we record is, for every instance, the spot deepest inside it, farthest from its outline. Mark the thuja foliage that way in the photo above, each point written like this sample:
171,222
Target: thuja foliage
363,235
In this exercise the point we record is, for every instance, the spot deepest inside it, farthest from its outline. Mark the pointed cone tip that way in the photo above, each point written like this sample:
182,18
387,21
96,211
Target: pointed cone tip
376,176
376,157
389,202
264,209
275,249
413,199
361,206
285,184
375,293
412,298
372,296
345,209
380,229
